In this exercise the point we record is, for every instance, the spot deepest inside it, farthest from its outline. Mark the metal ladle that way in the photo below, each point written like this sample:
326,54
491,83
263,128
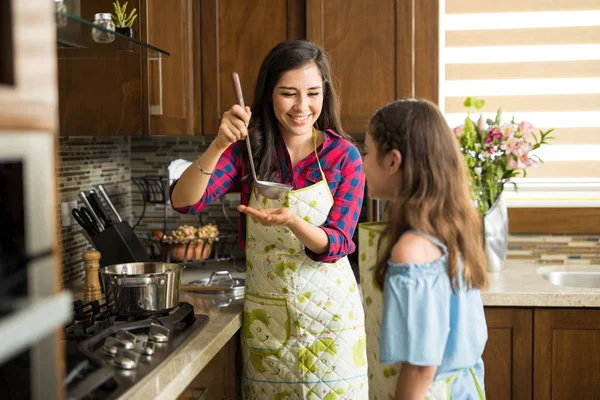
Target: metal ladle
270,190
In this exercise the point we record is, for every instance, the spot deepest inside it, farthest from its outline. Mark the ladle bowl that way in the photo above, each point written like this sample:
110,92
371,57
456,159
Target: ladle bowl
270,190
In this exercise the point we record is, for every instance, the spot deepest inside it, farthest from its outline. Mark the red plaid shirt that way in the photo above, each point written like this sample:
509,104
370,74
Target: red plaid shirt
342,165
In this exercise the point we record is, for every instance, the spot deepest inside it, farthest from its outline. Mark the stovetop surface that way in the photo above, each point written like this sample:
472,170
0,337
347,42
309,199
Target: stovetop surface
106,355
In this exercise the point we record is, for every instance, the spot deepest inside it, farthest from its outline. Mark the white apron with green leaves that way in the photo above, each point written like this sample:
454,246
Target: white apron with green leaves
303,335
382,377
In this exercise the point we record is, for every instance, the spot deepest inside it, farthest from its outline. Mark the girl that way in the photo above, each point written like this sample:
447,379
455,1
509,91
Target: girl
425,323
303,333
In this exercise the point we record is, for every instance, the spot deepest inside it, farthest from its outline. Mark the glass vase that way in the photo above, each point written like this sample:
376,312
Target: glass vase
495,235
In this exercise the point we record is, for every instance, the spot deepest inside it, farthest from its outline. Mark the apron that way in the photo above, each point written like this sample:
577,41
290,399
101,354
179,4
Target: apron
303,334
383,377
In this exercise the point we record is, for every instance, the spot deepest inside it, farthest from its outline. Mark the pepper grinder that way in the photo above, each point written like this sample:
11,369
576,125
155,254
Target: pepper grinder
91,263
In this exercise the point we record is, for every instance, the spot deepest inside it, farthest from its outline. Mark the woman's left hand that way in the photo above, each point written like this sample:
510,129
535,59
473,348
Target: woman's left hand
269,216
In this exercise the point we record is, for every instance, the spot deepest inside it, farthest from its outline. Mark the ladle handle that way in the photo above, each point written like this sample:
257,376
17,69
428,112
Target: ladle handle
237,88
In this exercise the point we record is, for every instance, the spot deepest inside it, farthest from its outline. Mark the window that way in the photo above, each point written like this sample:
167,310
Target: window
540,61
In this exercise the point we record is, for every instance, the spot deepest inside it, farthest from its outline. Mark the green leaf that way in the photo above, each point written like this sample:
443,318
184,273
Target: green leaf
479,103
468,102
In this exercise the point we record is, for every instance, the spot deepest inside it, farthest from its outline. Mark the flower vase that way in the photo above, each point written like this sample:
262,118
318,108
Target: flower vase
495,235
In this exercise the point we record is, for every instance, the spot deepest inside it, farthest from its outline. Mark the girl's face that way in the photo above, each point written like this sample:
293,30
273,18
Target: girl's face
298,99
381,171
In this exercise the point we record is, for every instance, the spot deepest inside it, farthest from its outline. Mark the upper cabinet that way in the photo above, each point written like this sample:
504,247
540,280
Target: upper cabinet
378,54
27,66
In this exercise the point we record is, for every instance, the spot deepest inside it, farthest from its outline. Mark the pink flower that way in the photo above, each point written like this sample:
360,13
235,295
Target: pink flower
507,130
459,130
489,139
526,129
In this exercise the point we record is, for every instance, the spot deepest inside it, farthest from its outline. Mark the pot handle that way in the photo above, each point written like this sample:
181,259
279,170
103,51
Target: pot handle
221,273
134,282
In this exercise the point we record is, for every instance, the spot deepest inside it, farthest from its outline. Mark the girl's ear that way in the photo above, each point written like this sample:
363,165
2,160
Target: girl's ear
395,160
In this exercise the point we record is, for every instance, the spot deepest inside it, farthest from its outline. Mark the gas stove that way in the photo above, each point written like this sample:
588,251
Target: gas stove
107,354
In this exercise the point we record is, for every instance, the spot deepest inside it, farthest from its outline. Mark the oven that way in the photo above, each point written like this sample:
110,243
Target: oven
32,306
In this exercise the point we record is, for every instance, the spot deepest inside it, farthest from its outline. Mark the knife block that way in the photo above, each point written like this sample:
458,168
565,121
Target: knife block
118,244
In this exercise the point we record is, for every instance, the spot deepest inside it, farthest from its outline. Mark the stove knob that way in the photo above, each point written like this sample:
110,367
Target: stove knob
111,351
124,363
158,337
148,349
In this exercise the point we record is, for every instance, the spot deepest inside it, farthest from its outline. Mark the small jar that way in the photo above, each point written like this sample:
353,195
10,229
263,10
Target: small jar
61,10
103,20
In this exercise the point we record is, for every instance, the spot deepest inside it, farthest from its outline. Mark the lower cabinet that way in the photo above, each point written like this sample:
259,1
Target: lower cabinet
542,354
220,379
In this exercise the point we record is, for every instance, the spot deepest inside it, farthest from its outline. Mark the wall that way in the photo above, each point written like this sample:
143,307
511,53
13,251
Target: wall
114,161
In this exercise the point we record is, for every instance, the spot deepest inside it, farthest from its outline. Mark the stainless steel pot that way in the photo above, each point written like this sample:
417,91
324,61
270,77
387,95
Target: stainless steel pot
140,289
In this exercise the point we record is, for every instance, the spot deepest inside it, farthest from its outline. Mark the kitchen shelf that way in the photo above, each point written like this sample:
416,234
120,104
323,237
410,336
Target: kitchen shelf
74,40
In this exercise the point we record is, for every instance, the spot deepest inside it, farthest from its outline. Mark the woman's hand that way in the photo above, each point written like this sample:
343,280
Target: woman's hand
234,127
269,216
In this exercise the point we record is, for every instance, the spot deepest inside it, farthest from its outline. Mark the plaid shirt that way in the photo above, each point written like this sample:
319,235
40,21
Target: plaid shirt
342,165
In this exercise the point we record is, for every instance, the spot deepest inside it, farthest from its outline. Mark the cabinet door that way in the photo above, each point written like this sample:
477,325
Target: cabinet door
566,354
100,94
379,53
28,94
508,354
236,35
170,79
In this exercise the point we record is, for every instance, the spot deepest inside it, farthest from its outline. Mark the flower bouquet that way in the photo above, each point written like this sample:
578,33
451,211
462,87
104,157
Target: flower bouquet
495,152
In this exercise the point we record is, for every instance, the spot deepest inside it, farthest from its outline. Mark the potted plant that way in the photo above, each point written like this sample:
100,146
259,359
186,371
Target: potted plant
123,21
494,153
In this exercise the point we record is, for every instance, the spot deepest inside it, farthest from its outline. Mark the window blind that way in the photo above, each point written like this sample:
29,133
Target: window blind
538,60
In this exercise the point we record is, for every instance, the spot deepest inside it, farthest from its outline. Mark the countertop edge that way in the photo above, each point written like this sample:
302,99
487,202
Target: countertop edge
179,381
574,300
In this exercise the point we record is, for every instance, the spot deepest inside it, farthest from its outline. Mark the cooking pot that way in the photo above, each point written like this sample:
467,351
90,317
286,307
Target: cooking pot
141,289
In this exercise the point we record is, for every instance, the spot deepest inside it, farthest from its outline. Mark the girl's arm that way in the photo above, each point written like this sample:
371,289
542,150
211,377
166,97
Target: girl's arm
413,381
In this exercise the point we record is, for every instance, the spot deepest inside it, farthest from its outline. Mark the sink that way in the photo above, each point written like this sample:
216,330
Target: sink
585,277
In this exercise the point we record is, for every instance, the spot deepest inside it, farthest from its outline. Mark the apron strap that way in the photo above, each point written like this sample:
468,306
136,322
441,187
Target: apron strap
314,131
479,389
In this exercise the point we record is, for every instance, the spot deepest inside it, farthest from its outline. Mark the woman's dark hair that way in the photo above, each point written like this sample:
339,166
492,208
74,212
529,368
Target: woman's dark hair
433,190
264,128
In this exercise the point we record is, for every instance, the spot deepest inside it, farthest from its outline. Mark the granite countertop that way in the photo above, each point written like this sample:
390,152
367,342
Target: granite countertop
520,285
172,377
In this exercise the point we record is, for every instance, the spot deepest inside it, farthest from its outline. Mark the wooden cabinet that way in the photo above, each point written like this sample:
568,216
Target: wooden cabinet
566,354
220,379
100,94
236,36
542,354
379,53
507,356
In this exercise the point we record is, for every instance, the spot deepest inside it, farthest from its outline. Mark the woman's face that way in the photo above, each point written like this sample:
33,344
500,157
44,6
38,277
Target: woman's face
298,99
381,171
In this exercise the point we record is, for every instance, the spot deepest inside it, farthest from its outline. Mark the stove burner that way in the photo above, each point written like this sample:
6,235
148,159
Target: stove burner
104,350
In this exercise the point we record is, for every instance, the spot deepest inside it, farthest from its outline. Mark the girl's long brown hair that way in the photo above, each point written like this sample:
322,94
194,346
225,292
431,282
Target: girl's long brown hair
433,195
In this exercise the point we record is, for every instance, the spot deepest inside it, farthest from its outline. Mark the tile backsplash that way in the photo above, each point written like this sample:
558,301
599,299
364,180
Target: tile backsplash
114,161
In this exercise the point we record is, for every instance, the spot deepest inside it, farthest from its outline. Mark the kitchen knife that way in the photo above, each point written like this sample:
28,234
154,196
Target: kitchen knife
110,204
84,199
99,208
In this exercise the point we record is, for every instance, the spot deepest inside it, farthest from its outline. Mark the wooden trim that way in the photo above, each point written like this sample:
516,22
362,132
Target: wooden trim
405,48
145,70
210,66
314,21
426,49
296,17
520,321
542,355
197,67
554,220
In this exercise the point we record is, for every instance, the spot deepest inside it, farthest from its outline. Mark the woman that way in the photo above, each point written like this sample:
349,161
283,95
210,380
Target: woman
303,334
